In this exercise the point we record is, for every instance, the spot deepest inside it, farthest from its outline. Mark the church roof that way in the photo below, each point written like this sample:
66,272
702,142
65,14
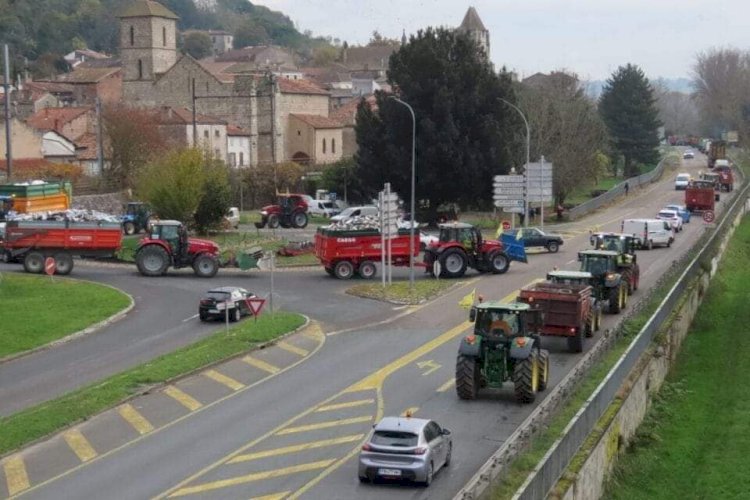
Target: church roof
317,121
472,22
148,8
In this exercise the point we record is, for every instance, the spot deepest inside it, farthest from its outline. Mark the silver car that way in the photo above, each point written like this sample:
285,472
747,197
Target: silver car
405,448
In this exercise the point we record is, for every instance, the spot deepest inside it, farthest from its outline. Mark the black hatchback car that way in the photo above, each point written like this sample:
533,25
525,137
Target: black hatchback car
535,237
217,303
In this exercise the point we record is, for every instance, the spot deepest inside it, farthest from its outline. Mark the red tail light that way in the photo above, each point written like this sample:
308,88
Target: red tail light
366,447
206,302
419,451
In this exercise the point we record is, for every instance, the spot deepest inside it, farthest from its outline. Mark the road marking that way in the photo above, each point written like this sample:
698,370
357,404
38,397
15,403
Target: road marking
273,496
570,262
135,419
249,478
324,425
286,450
80,445
430,365
450,383
314,332
349,404
16,477
183,398
409,412
292,348
224,380
261,365
188,319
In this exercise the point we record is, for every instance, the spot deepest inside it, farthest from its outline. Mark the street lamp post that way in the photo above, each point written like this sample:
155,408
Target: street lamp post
528,160
413,189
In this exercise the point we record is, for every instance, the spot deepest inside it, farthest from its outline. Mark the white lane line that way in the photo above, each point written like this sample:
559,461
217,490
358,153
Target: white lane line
188,319
570,261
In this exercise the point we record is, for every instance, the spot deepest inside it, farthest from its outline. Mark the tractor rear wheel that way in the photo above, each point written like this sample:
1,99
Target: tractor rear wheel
499,263
273,221
615,300
543,360
63,263
591,323
299,220
33,263
343,270
205,266
128,228
467,377
453,263
526,379
627,277
575,343
367,270
152,260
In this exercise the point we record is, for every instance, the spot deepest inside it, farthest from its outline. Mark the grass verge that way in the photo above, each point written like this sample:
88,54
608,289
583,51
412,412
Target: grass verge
694,440
34,423
37,310
399,291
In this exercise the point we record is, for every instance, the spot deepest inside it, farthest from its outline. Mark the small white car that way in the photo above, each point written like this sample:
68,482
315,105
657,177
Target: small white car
674,218
233,217
688,154
681,181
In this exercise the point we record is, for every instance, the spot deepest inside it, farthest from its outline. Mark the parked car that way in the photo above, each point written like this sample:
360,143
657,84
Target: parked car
681,210
681,181
535,237
673,217
233,218
688,154
214,304
348,213
405,448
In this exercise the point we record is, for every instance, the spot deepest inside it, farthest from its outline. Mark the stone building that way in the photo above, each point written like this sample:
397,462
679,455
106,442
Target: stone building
473,26
238,146
176,125
315,139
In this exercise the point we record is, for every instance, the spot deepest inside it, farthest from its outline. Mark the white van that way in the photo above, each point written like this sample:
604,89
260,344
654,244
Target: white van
348,213
324,208
649,232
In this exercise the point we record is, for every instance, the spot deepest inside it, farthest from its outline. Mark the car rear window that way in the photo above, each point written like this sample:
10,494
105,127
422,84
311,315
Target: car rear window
218,295
683,177
394,438
667,214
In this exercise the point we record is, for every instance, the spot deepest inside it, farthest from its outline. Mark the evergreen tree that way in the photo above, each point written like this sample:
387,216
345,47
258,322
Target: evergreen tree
627,106
465,135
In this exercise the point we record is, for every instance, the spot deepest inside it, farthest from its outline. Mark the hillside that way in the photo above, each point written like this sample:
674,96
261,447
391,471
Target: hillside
41,31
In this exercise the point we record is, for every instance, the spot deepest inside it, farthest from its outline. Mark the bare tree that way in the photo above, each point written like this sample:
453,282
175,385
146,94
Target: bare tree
677,110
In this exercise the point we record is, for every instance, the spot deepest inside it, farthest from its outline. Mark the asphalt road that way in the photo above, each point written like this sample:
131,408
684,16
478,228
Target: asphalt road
257,443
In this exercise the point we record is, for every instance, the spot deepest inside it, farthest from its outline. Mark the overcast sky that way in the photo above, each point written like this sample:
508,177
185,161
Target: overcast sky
589,37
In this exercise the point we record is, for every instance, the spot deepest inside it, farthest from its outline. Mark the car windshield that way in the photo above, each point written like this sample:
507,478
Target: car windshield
667,215
218,295
394,438
328,204
683,178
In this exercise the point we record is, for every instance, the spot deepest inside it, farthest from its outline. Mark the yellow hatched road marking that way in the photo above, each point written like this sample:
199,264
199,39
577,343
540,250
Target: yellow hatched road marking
272,496
16,477
135,419
314,332
410,411
293,348
349,404
249,478
450,383
286,450
324,425
261,365
80,445
224,380
183,398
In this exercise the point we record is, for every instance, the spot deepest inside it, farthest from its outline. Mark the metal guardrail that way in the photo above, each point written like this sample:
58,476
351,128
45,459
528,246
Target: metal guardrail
616,192
554,463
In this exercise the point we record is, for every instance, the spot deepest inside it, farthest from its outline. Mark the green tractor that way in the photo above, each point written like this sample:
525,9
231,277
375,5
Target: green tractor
627,261
503,347
610,286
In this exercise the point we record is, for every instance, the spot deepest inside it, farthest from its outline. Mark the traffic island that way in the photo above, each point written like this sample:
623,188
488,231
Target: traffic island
401,293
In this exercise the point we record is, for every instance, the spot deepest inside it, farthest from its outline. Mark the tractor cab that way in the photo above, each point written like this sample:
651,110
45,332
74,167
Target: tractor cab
624,244
174,234
465,235
570,277
504,321
598,262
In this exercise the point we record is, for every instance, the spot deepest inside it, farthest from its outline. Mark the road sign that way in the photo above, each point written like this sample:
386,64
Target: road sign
513,210
499,191
49,266
708,216
255,304
509,203
506,225
508,179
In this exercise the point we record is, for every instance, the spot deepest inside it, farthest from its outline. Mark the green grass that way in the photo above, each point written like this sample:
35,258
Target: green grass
37,310
399,291
695,440
34,423
583,194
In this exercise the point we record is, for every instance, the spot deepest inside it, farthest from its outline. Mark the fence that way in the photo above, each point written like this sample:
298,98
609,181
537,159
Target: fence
616,192
557,459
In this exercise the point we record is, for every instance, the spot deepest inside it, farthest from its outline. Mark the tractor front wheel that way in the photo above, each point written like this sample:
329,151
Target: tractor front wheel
467,377
152,260
273,221
299,220
205,266
615,299
526,379
453,263
499,263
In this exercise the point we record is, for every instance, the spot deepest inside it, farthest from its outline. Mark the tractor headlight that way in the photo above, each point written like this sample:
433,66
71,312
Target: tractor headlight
263,212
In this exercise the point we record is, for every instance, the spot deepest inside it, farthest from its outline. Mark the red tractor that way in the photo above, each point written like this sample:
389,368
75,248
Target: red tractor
290,211
167,244
461,246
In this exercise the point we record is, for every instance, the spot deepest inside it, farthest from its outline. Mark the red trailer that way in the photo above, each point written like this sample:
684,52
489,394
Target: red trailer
700,196
344,253
568,310
33,241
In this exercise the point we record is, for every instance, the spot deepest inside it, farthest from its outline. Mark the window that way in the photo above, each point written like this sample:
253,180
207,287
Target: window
217,153
217,134
140,69
233,159
205,134
164,36
333,146
324,146
242,158
132,36
299,132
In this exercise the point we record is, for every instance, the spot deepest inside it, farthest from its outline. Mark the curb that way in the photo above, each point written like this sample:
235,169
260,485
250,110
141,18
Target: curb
81,333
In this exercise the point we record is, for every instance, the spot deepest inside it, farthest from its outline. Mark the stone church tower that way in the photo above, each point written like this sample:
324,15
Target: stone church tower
148,47
473,26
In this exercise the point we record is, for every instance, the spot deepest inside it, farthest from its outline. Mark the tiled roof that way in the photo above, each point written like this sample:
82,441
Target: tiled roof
86,147
346,113
289,86
317,121
472,22
147,8
55,118
166,115
51,87
235,131
370,57
24,163
87,75
218,69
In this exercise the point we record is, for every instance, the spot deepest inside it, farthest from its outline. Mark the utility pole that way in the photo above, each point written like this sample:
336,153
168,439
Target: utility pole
195,125
273,129
8,147
99,137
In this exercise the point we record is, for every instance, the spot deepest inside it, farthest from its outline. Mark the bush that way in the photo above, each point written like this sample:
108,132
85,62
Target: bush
173,184
215,199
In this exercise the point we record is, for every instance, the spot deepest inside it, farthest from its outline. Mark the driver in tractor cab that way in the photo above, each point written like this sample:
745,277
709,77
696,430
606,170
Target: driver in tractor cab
501,324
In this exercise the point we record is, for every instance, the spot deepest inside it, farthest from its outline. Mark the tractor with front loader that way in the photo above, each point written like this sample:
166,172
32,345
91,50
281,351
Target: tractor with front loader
504,346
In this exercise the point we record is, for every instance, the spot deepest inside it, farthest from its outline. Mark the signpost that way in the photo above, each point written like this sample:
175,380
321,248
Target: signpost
255,305
508,192
540,184
388,206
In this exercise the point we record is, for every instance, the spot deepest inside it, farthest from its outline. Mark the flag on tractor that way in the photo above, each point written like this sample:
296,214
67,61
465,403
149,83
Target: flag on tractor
468,301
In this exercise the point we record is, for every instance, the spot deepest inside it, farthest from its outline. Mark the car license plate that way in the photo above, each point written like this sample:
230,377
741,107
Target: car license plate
389,472
213,311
